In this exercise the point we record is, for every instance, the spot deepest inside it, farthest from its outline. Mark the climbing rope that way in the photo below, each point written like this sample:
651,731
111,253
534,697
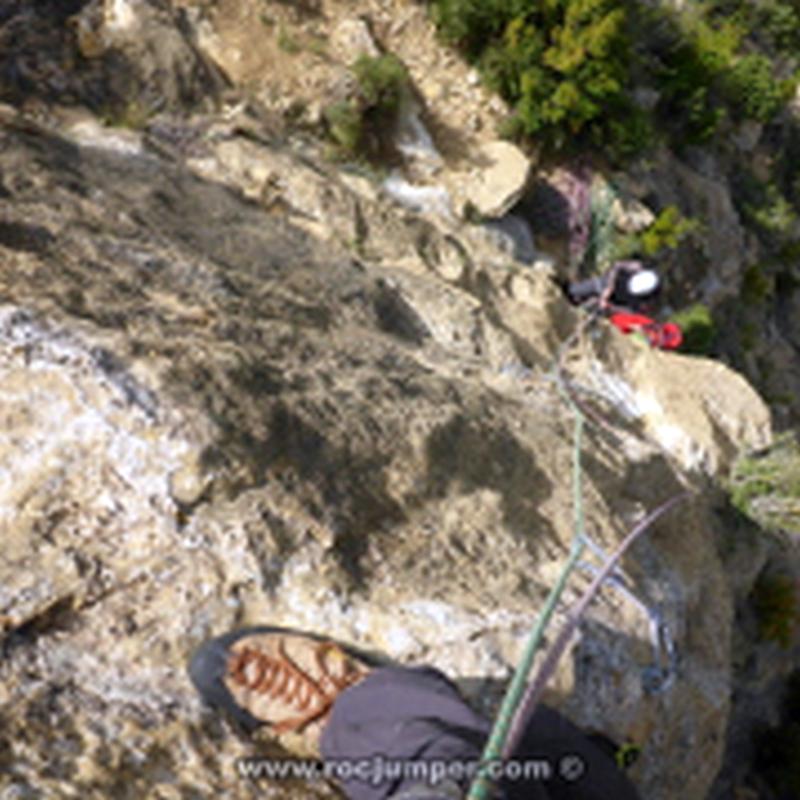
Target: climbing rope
495,746
522,697
656,678
559,646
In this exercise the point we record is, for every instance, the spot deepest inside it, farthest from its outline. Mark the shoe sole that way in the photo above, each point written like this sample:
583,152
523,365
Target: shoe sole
209,666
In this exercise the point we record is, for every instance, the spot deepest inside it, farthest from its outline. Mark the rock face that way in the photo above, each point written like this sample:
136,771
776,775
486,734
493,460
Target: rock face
123,59
240,385
709,199
209,419
679,403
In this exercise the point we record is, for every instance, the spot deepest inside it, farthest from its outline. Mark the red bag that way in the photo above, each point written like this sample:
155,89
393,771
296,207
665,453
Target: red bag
664,335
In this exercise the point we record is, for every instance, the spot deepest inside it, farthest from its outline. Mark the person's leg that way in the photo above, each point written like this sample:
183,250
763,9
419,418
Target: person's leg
581,768
417,715
412,726
375,726
372,725
579,292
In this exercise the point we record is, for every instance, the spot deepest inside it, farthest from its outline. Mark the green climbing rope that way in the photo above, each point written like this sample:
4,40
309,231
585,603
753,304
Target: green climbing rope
494,750
479,790
521,698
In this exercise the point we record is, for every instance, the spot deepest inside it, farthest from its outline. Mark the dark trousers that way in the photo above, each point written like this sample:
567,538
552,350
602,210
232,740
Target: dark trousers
580,292
381,730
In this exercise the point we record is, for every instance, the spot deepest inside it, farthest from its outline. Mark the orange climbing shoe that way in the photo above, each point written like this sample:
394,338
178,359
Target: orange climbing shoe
276,680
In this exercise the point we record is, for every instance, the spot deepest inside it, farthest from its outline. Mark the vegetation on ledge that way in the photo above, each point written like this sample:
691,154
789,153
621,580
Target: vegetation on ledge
566,67
766,485
361,124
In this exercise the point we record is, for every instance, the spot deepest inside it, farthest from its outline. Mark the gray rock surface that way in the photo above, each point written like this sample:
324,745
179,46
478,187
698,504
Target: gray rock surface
124,60
239,385
211,419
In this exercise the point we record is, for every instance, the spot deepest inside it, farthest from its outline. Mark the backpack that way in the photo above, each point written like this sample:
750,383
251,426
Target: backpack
663,335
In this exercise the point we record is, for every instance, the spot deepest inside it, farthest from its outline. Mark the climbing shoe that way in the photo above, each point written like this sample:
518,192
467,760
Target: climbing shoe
276,682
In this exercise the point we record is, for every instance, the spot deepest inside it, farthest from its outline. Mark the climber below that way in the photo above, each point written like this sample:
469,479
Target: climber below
627,286
622,294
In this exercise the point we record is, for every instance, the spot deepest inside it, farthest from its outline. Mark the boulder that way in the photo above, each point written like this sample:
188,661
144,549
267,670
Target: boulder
631,216
698,410
499,179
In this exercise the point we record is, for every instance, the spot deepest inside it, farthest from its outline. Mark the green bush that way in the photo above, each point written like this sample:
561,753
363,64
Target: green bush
666,231
382,82
471,24
773,24
766,209
699,330
345,127
774,215
751,89
360,127
716,44
563,66
688,55
707,64
780,22
757,287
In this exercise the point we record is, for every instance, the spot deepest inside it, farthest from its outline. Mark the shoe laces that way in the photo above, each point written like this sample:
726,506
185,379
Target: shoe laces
283,680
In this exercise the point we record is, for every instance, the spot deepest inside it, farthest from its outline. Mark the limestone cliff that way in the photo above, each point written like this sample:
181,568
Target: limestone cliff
243,384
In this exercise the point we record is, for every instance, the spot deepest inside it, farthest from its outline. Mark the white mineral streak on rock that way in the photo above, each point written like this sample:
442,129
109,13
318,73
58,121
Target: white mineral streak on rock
90,132
424,199
414,141
70,407
121,15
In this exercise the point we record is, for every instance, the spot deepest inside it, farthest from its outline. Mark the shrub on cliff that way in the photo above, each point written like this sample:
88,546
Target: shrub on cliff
699,330
752,91
684,59
563,65
382,82
360,126
667,231
766,485
766,209
715,60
